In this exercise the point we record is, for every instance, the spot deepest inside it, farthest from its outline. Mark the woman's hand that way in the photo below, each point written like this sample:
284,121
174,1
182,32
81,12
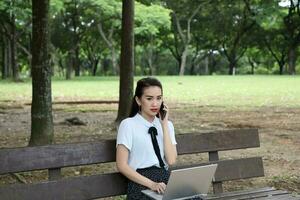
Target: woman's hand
169,148
158,187
166,110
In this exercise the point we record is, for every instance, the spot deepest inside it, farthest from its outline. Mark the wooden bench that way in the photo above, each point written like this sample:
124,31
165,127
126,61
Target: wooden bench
55,157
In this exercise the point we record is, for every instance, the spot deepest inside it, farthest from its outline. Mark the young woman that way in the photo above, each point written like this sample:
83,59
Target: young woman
146,144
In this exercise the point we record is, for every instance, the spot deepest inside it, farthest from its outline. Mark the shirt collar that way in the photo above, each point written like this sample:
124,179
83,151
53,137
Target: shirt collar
146,122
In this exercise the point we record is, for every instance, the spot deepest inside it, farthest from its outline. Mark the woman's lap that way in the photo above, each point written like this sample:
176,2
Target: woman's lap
155,174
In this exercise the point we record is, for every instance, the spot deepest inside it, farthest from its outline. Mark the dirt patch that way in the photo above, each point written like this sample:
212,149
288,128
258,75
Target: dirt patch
279,130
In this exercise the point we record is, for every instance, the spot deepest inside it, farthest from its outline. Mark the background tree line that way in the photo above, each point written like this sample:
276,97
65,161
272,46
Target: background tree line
171,37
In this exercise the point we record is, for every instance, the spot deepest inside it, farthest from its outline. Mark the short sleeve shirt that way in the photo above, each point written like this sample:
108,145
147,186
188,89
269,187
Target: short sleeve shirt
133,134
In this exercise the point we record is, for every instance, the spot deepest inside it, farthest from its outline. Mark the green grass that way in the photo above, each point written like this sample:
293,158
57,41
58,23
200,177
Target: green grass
245,91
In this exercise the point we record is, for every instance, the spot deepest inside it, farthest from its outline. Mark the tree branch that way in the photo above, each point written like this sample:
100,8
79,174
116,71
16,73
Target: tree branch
189,23
179,29
100,29
24,49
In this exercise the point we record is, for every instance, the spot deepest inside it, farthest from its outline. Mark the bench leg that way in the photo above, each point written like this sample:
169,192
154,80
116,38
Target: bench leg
217,187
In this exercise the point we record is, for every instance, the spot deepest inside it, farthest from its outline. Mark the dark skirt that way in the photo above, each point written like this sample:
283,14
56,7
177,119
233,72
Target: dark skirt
155,174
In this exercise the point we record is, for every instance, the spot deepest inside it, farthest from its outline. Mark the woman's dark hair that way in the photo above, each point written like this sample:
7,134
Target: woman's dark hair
139,90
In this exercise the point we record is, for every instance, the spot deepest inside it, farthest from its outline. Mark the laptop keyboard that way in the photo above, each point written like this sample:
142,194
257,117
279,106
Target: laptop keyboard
195,198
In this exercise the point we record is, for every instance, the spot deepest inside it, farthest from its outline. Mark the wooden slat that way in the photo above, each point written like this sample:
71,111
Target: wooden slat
235,169
217,141
228,195
239,169
257,194
64,155
78,188
279,197
276,194
56,156
110,184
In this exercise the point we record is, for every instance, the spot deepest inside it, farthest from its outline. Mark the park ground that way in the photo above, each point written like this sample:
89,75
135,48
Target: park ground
278,125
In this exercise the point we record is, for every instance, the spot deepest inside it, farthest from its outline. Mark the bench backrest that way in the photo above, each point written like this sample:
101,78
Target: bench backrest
55,157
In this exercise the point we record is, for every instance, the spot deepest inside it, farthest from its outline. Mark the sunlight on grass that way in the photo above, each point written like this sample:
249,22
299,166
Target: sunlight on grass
225,91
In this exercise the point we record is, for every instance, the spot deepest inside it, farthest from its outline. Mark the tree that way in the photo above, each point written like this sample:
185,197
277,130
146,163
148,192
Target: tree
127,60
275,43
235,21
14,23
273,35
70,24
204,43
292,25
108,22
41,109
92,50
151,22
182,16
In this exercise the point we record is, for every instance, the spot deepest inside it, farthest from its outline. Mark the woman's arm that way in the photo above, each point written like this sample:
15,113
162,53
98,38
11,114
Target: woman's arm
169,148
126,170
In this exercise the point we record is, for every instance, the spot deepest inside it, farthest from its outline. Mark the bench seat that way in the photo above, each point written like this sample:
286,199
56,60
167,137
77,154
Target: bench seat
55,157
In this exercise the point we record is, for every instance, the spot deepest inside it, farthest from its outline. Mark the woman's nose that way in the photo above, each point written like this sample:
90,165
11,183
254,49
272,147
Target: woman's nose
156,102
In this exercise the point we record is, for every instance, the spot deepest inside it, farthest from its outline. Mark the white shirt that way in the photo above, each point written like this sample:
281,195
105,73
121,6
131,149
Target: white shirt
133,134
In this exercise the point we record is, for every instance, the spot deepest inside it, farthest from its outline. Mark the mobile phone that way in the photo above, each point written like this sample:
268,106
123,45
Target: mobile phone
162,112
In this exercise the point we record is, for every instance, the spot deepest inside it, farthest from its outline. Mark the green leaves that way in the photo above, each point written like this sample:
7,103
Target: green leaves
151,19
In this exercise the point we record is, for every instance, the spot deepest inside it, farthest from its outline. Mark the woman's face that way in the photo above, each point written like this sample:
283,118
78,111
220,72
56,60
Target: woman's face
150,101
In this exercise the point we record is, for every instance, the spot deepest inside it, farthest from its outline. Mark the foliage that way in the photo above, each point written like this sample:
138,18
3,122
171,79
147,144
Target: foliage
224,33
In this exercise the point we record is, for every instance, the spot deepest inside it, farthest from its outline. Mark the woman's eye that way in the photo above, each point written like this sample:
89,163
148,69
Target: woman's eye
149,99
158,98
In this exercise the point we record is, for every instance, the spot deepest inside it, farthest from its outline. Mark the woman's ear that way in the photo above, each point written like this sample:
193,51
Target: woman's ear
137,101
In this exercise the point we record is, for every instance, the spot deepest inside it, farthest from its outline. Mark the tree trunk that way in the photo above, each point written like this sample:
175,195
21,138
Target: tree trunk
252,64
127,60
115,66
8,58
61,66
70,61
232,67
4,60
281,67
105,66
292,57
77,61
193,69
95,67
183,61
151,67
30,56
149,58
206,71
110,44
41,109
13,43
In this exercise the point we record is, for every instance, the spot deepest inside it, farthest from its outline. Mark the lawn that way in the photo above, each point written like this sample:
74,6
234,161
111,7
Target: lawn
199,104
227,91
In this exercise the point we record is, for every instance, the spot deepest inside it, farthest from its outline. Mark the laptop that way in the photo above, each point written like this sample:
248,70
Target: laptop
186,183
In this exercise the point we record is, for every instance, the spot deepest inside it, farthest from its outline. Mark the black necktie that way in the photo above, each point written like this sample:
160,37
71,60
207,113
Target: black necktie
153,132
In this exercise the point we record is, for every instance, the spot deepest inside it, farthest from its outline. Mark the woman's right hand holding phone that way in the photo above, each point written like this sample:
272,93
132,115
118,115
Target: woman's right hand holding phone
163,112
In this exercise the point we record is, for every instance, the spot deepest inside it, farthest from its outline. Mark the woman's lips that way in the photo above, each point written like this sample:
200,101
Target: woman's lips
154,110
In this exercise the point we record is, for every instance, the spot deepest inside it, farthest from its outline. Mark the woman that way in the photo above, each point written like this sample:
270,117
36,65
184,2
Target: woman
146,144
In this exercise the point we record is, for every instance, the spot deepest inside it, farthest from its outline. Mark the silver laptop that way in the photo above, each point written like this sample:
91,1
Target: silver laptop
186,183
